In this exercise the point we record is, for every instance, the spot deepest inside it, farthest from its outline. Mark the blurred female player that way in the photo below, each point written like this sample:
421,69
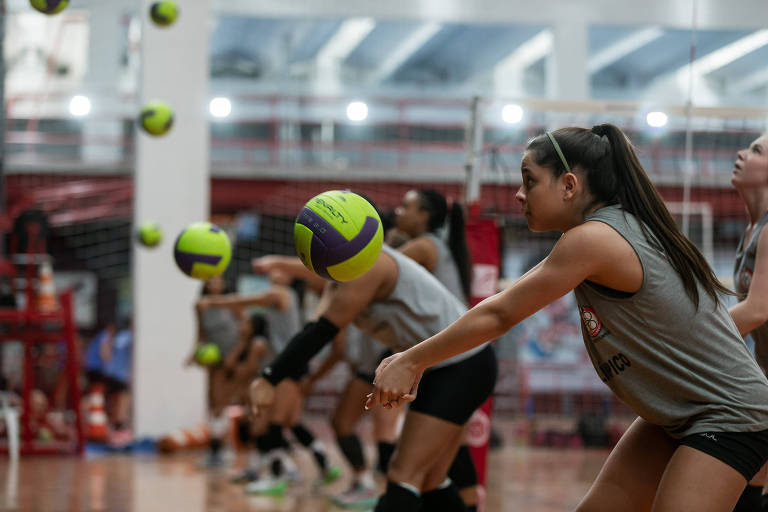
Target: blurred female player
653,325
750,277
283,319
230,332
396,303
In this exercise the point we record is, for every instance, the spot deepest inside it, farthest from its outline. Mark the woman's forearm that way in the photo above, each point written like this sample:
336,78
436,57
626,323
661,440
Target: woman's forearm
482,323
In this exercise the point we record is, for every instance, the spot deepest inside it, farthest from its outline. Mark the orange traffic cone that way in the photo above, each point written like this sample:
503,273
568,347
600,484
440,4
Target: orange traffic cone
97,416
46,295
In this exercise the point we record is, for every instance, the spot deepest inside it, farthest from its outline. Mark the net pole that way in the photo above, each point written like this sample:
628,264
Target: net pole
688,167
474,150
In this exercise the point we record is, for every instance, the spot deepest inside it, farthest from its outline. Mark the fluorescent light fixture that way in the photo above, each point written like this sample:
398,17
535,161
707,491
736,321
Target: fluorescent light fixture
512,114
220,107
656,119
79,106
357,111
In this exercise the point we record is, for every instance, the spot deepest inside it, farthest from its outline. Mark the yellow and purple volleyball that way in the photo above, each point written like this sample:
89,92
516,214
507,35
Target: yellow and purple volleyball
163,13
49,6
150,234
156,118
208,354
338,235
202,250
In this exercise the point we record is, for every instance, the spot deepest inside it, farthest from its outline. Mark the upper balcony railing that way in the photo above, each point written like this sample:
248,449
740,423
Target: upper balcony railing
403,139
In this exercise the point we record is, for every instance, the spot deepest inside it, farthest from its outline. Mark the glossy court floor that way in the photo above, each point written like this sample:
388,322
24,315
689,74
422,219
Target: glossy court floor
519,479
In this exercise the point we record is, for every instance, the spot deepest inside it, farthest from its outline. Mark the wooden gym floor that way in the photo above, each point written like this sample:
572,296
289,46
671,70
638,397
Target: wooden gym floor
519,478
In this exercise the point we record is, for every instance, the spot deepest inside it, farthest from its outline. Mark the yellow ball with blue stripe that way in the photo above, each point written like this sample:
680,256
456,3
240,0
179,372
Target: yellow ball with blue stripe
49,6
202,250
338,235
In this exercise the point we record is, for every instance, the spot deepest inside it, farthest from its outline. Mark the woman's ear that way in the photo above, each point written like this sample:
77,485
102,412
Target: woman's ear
570,184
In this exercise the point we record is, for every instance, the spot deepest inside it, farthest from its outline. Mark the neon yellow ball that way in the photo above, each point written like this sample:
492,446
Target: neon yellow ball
150,234
338,235
202,250
156,118
49,6
208,354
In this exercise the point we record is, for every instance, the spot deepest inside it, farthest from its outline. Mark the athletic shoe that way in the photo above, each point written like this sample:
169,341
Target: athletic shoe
331,475
357,497
269,486
246,476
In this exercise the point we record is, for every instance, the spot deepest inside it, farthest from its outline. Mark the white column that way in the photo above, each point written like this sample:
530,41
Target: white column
567,74
171,187
102,129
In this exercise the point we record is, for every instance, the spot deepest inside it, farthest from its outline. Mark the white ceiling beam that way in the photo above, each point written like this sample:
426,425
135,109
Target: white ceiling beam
351,32
712,14
404,50
620,49
747,83
532,50
727,54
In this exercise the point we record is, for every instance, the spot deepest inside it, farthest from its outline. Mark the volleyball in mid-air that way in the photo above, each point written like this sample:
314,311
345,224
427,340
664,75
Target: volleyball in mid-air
149,234
156,118
208,354
49,6
202,250
338,235
163,13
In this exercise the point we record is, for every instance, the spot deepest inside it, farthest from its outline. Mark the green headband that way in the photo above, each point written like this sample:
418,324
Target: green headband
559,151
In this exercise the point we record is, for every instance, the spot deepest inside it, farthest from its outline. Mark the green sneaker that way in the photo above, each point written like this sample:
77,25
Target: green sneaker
268,487
330,476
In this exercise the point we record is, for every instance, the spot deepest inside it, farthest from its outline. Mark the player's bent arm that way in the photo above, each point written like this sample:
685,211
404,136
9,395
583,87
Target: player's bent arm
270,298
341,303
752,312
572,260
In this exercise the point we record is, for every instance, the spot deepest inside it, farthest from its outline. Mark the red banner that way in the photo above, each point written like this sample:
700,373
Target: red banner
483,243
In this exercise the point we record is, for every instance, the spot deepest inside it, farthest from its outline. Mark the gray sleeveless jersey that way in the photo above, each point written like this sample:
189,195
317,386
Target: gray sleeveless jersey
220,326
683,369
418,307
742,279
283,325
446,270
362,351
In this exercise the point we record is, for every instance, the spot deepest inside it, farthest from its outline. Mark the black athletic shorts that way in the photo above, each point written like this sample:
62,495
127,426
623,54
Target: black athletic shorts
452,393
746,452
368,377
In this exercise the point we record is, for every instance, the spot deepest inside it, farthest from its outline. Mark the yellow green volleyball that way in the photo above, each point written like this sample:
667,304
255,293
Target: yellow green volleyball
208,354
156,118
338,235
149,234
163,13
202,250
49,6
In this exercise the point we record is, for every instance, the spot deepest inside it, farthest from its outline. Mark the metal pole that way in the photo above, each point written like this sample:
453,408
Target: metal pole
689,167
474,143
2,117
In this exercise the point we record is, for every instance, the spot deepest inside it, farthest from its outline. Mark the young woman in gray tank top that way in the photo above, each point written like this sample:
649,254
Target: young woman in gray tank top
399,303
422,213
652,324
750,277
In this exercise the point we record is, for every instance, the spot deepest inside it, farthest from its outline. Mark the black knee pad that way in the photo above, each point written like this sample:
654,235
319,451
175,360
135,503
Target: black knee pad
462,472
352,449
303,435
398,499
385,454
443,499
750,498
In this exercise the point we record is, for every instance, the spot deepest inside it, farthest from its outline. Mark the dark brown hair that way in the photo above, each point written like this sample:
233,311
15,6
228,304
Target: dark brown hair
435,204
615,176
